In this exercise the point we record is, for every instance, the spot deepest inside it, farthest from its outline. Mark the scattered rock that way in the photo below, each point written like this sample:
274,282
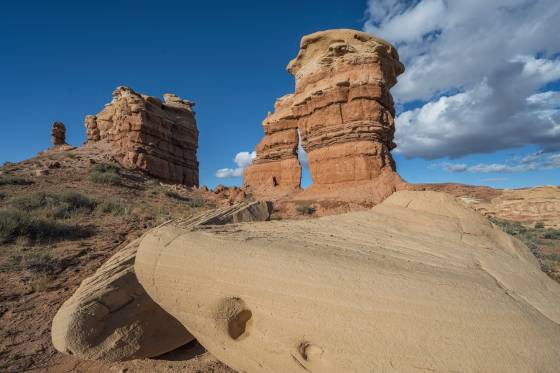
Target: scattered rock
342,114
160,138
41,172
420,280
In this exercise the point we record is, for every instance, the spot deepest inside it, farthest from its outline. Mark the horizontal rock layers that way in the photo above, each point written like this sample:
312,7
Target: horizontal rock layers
160,138
419,282
341,112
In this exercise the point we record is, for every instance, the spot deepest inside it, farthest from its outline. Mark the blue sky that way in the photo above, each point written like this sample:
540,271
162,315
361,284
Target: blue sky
62,59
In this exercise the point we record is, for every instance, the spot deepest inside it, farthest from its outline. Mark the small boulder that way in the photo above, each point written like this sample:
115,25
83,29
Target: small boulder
111,317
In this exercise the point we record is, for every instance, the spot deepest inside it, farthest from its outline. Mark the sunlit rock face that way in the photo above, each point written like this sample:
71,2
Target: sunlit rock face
342,113
160,138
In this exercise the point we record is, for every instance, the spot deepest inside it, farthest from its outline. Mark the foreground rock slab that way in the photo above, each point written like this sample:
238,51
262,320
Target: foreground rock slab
420,282
111,318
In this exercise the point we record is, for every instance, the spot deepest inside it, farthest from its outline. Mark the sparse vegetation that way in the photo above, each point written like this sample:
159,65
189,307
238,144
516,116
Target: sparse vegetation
104,173
116,208
536,239
305,209
61,205
70,155
2,196
15,223
14,180
539,225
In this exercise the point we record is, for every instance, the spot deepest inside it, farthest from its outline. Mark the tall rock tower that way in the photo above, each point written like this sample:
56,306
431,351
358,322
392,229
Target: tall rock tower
343,115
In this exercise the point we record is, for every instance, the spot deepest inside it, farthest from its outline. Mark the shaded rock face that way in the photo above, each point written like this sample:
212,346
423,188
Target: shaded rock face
160,138
58,134
341,112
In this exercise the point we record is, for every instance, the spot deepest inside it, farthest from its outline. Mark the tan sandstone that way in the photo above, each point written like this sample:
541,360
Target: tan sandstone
144,133
343,115
111,318
420,282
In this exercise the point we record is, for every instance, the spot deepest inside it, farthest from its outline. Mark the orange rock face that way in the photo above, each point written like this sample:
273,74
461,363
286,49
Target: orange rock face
343,115
160,138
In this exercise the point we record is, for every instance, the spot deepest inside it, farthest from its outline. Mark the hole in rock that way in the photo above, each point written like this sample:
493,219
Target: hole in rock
237,324
306,179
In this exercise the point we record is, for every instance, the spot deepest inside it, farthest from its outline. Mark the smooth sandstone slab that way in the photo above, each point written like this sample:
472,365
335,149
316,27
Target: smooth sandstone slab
419,283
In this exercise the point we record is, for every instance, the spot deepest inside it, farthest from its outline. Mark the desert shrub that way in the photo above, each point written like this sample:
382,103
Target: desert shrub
116,208
539,225
305,209
70,155
2,196
197,202
104,173
59,205
14,180
40,283
552,234
15,223
173,194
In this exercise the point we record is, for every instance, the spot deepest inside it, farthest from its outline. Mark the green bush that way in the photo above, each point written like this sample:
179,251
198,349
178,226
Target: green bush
14,180
116,208
197,202
2,196
104,173
305,209
70,155
60,205
104,168
105,178
552,234
14,224
539,225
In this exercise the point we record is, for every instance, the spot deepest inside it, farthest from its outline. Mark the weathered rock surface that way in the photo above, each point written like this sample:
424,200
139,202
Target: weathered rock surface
420,282
343,114
58,134
160,138
111,318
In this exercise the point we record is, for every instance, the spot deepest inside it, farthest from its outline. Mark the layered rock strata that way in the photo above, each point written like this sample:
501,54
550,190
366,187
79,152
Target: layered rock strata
341,112
160,138
419,282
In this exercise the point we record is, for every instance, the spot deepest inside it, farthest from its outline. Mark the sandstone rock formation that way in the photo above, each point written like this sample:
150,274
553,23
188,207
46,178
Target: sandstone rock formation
58,134
111,318
343,114
420,282
160,138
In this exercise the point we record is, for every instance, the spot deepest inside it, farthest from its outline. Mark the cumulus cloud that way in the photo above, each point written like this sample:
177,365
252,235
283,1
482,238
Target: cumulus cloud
478,68
532,162
242,160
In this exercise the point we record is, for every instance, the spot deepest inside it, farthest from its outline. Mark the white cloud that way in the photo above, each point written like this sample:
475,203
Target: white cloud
477,66
531,162
242,160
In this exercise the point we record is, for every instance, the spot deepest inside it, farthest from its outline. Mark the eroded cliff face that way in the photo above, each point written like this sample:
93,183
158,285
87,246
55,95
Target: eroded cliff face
343,114
160,138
